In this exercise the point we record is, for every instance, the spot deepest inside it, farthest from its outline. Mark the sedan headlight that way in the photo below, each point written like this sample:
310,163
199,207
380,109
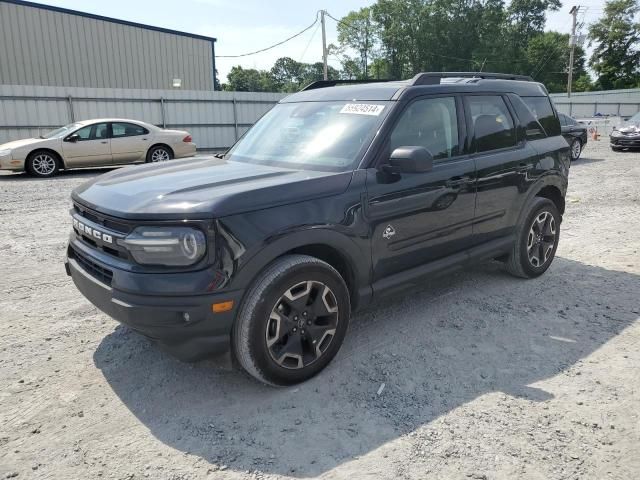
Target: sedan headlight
5,152
169,246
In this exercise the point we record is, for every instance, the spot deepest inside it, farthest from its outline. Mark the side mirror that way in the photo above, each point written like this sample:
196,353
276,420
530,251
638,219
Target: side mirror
411,160
73,138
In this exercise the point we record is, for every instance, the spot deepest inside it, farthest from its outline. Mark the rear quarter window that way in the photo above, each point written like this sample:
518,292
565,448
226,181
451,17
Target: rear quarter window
543,111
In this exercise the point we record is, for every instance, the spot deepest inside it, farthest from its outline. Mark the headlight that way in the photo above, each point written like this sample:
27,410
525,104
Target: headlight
170,246
616,133
5,152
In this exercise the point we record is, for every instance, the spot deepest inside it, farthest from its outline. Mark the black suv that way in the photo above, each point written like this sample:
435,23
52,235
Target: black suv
341,193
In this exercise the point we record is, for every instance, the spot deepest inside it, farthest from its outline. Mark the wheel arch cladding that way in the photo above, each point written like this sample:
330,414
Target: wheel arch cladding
336,259
337,250
553,193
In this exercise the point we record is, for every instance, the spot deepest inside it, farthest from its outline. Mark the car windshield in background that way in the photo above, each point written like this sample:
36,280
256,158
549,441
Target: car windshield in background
62,131
312,135
635,119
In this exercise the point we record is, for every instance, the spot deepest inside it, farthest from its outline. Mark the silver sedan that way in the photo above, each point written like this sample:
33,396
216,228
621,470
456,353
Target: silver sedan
94,143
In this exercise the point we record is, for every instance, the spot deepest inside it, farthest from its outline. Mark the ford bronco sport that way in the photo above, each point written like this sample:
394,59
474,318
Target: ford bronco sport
341,193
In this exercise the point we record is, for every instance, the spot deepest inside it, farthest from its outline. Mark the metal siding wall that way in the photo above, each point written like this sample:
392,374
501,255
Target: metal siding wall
42,47
207,115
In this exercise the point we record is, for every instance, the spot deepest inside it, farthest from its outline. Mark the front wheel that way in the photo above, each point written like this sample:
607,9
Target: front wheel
42,164
292,321
159,154
536,240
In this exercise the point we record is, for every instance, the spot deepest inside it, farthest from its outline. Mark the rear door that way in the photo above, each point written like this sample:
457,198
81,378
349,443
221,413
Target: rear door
503,162
129,142
416,218
92,148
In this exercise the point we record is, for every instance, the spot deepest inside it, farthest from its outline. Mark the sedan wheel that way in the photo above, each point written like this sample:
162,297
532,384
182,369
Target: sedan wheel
159,154
576,149
42,164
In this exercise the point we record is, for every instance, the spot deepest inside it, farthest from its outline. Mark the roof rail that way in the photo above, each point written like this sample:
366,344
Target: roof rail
333,83
433,78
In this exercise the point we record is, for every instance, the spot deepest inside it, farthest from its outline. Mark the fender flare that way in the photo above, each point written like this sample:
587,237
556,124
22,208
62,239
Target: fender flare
548,180
355,258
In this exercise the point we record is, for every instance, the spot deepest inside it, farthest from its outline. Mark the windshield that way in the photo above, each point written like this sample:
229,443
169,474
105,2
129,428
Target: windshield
312,135
635,119
62,131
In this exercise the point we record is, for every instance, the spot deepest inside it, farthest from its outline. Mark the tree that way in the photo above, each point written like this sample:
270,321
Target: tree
249,80
547,59
616,57
357,31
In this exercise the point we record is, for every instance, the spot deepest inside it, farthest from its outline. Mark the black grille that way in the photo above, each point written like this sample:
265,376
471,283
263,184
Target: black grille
102,274
101,219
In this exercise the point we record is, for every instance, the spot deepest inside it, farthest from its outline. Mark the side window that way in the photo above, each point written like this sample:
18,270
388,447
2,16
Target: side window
543,111
127,130
493,126
93,132
563,120
84,133
430,123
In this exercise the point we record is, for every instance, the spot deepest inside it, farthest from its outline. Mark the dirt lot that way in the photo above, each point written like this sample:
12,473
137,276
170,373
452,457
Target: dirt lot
485,376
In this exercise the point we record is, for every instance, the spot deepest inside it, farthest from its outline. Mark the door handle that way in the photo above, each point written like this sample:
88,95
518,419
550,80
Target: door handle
457,181
144,139
104,142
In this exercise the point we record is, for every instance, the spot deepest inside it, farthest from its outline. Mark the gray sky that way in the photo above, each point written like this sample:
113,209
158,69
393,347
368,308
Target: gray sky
246,25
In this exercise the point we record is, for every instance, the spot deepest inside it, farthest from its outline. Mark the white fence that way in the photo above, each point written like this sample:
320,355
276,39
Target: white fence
619,103
215,119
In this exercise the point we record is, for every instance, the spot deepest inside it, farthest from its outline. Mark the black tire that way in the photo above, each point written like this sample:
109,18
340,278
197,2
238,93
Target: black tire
266,297
159,153
42,164
519,262
575,149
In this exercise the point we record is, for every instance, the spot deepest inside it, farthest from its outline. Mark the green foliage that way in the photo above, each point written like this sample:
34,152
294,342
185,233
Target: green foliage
395,39
616,57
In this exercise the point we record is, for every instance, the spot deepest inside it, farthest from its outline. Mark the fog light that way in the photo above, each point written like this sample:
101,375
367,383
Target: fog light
222,306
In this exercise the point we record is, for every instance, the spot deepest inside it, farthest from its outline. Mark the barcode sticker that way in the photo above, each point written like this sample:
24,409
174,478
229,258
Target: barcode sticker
362,109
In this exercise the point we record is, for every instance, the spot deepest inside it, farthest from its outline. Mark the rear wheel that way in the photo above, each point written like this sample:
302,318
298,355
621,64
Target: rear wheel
536,240
42,164
292,322
576,149
159,153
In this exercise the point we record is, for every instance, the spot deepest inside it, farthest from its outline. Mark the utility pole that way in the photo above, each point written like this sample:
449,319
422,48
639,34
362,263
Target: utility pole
572,43
324,47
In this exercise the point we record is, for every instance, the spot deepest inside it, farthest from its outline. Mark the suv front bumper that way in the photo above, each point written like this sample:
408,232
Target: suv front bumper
183,325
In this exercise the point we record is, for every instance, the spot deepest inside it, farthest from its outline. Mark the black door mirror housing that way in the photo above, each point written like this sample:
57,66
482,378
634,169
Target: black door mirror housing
73,138
411,159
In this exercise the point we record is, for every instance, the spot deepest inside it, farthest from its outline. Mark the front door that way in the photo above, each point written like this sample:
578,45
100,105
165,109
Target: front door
129,142
417,218
90,146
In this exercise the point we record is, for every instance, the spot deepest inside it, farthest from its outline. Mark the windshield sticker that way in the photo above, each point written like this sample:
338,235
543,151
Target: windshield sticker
362,109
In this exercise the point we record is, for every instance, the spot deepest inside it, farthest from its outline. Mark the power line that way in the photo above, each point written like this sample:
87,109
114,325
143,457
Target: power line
272,46
313,35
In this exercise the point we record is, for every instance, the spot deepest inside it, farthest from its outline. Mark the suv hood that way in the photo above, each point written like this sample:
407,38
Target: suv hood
204,187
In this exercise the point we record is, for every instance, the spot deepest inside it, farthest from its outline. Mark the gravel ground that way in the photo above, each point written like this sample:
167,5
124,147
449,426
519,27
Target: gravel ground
478,375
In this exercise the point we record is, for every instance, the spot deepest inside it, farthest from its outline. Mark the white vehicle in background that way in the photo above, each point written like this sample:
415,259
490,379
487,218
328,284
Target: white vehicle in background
95,143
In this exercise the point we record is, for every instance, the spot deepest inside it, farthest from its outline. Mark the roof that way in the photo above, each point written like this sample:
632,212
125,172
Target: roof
395,90
106,19
98,120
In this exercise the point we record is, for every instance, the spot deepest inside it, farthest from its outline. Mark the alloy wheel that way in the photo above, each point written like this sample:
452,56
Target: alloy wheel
576,148
43,164
160,155
541,239
302,324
